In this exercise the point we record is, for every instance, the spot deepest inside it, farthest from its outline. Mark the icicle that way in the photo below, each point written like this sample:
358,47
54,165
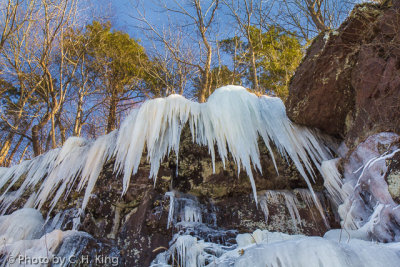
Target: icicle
332,180
191,214
183,210
264,207
231,120
188,251
291,203
69,164
306,196
34,170
171,208
101,151
158,124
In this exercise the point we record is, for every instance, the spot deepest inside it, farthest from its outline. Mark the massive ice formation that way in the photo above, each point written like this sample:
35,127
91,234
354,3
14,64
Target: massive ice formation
232,121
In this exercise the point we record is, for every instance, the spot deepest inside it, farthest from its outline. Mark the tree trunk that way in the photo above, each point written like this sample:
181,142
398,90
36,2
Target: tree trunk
253,64
78,117
37,150
206,85
35,141
60,127
15,149
53,132
23,153
112,112
202,93
6,148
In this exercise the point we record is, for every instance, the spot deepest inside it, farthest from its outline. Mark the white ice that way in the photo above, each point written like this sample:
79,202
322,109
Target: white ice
333,180
183,209
23,239
263,248
231,120
312,251
19,225
369,205
36,252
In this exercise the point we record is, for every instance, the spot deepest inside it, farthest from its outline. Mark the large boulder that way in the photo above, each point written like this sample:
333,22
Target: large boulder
348,84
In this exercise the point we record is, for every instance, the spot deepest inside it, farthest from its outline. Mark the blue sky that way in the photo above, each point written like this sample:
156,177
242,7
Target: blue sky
123,13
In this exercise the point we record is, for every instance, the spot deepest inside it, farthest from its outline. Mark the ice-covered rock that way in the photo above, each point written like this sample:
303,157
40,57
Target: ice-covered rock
369,205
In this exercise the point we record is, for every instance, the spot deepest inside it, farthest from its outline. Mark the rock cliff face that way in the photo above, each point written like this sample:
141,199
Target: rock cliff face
134,227
348,84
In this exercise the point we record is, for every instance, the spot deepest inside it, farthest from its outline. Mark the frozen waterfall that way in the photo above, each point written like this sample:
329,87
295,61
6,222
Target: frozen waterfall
231,121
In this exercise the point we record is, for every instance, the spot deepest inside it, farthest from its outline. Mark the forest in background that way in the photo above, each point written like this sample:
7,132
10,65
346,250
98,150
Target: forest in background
66,72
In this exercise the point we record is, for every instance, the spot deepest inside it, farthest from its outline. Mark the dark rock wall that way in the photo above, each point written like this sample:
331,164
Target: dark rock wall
135,225
348,84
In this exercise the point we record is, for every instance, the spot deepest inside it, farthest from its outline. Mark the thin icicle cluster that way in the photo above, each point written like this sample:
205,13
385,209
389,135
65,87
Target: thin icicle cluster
188,251
57,172
291,202
333,180
183,210
272,196
232,121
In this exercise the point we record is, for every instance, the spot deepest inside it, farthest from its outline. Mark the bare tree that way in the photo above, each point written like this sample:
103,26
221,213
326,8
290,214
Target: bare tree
34,59
168,75
16,63
199,17
58,16
306,18
13,15
243,13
